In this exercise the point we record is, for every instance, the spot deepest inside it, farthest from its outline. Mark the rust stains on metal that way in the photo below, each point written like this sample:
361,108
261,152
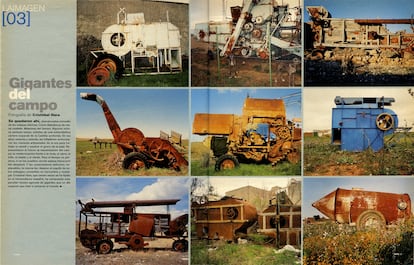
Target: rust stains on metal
128,227
140,151
223,219
260,134
360,206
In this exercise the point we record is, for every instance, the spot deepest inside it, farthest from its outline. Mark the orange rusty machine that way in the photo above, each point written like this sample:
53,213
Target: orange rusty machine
261,134
129,227
223,219
366,209
282,220
140,151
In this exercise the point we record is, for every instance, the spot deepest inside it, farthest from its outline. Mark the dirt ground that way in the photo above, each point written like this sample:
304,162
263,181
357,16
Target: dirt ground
157,252
247,72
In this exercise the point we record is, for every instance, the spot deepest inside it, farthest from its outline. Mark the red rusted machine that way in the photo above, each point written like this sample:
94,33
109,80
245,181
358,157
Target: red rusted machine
129,227
261,134
282,220
139,151
366,209
226,219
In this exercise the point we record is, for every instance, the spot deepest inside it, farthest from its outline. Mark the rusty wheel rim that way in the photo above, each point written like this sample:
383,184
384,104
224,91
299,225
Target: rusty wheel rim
108,64
227,164
98,76
104,248
136,164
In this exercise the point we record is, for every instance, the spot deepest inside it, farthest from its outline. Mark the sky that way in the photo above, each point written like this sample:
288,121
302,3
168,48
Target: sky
318,104
111,189
366,9
224,184
149,110
230,101
316,188
202,11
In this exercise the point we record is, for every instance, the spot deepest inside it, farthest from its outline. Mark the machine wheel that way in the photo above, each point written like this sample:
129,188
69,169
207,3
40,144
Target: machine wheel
293,157
98,76
226,162
104,246
384,121
370,219
284,132
180,245
246,52
136,242
232,213
158,150
111,62
135,161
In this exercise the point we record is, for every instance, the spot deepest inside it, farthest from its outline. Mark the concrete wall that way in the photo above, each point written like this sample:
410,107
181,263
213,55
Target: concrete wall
94,16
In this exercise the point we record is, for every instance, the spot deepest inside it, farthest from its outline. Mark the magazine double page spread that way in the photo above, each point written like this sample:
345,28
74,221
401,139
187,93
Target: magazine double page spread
207,132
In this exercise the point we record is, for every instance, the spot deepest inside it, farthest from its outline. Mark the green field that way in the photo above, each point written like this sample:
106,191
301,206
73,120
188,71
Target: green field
221,253
323,158
202,164
101,161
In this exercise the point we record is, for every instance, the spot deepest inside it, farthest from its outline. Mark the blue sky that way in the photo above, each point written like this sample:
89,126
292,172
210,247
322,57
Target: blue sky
366,9
149,110
316,188
230,101
111,189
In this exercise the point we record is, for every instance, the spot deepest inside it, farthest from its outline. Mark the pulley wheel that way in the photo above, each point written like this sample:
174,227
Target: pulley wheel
98,76
384,121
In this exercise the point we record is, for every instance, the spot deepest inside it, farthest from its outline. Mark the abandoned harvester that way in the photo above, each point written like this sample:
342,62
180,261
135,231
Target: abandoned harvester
251,28
228,218
140,151
261,134
362,123
281,220
128,227
144,47
366,209
335,34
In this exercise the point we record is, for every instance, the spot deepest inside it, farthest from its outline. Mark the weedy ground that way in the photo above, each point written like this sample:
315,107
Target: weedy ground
329,243
323,158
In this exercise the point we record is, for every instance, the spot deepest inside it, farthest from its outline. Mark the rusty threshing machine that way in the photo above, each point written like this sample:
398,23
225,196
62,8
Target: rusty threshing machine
325,33
260,28
144,47
366,209
226,219
129,227
281,220
261,134
362,123
140,151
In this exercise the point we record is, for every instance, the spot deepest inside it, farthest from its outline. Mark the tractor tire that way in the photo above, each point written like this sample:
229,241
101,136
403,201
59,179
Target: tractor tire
135,161
104,246
226,162
180,245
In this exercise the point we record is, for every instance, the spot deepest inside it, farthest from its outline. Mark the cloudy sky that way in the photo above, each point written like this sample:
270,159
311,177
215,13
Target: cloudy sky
318,104
224,184
111,189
